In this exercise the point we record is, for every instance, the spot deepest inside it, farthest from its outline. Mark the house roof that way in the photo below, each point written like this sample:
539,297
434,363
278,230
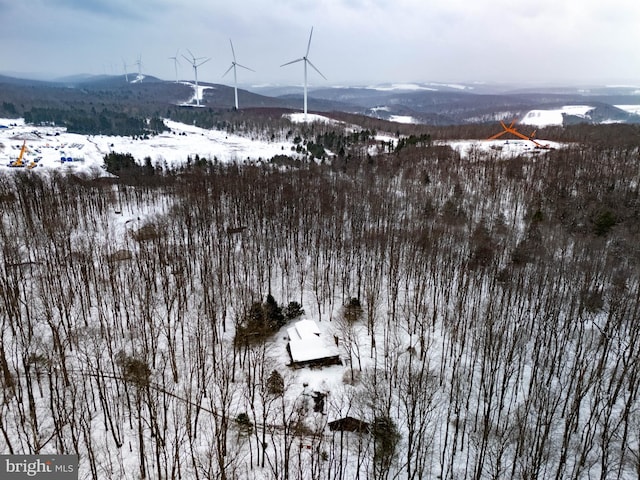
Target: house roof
350,424
306,342
304,329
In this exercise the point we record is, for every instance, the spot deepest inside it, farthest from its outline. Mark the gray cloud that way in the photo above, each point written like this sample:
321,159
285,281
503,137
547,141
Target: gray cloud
116,9
355,41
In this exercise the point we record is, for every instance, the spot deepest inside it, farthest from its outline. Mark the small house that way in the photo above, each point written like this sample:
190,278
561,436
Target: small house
349,424
307,346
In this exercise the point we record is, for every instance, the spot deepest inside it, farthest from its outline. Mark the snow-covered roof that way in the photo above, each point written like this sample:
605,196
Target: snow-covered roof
303,350
307,329
306,342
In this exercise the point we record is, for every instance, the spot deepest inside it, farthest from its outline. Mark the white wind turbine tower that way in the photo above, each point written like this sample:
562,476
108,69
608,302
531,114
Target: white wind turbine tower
306,61
139,64
175,63
195,64
126,74
233,66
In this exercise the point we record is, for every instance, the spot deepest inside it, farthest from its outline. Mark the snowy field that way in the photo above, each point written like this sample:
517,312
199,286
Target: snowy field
499,148
311,117
403,119
46,146
546,118
635,109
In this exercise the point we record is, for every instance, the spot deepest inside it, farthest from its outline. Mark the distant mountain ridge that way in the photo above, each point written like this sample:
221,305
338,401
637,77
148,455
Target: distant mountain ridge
425,103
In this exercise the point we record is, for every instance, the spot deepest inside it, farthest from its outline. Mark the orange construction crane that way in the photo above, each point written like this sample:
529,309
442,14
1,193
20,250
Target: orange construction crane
19,161
512,130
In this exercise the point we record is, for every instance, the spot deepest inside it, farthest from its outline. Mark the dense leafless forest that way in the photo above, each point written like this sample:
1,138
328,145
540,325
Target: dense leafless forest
494,338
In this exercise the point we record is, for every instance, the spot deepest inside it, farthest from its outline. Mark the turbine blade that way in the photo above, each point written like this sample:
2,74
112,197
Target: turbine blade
192,55
187,59
309,44
203,62
246,68
228,70
232,50
314,67
292,61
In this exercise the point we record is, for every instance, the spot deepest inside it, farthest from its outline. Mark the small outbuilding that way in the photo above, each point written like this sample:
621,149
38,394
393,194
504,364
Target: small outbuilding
349,424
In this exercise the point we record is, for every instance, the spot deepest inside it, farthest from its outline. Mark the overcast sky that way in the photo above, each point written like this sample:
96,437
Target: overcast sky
359,42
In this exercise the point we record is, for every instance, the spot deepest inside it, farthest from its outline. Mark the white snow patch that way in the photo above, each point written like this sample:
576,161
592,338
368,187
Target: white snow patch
501,148
403,119
622,86
577,110
310,118
198,93
454,86
544,118
138,79
402,86
19,122
634,109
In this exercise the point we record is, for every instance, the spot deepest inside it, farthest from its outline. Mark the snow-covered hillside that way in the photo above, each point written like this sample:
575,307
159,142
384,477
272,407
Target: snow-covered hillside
635,109
47,145
499,148
484,314
545,118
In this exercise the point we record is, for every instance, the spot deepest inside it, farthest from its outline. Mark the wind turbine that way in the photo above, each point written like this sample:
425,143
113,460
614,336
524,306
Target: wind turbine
175,63
235,64
139,64
194,61
306,61
126,74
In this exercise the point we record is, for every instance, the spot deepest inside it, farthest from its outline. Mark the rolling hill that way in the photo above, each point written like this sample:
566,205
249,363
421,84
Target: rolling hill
430,104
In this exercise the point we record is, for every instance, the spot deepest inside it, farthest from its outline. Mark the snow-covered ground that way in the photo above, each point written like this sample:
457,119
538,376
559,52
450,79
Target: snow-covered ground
402,86
545,118
310,118
139,78
198,94
178,398
635,109
403,119
501,148
432,87
48,145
